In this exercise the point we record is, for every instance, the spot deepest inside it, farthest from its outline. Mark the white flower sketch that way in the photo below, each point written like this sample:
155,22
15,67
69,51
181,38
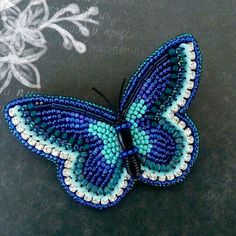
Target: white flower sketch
4,4
23,42
19,65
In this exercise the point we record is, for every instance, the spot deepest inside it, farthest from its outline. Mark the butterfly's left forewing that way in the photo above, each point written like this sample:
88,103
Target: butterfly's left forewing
155,103
81,139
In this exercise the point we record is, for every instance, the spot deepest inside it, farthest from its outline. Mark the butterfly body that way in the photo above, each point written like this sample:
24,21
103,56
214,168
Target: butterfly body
99,154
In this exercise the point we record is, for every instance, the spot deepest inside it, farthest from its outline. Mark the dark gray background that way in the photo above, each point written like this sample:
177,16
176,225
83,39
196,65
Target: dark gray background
32,201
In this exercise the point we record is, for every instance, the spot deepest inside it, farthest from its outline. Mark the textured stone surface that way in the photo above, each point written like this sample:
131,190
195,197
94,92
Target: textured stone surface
32,201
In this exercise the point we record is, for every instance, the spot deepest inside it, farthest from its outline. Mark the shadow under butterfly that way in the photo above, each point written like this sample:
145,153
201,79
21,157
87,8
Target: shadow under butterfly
100,153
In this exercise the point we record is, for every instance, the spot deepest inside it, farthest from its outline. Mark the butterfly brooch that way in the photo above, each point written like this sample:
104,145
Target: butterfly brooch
100,153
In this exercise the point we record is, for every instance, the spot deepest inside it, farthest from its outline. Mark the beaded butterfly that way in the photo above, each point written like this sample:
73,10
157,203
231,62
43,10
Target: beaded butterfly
99,153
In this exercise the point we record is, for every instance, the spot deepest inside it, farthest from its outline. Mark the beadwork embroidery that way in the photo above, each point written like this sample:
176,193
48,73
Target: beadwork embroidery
99,154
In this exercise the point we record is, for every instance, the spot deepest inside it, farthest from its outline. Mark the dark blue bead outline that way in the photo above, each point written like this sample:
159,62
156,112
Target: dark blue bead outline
141,70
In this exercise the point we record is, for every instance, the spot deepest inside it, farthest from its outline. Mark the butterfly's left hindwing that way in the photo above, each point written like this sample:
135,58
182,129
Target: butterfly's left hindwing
80,139
155,103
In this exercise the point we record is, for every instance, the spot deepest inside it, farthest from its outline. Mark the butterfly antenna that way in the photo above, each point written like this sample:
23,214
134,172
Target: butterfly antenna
121,90
106,99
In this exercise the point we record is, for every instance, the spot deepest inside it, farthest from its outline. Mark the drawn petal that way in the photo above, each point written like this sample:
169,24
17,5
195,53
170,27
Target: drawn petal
27,74
4,68
32,54
68,40
5,76
4,49
18,44
33,37
35,14
6,4
10,16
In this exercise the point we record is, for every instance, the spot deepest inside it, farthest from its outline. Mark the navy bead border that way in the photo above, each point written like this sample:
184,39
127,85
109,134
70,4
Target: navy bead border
181,114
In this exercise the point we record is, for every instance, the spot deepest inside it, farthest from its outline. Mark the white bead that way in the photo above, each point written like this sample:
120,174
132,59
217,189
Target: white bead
88,198
190,85
113,198
190,148
66,172
68,164
182,124
124,185
187,158
190,139
153,177
184,166
32,141
162,178
182,102
79,194
145,175
175,109
20,129
178,173
187,94
72,188
188,131
68,181
25,136
104,201
15,121
190,46
95,200
192,75
120,192
193,65
63,155
55,152
127,177
176,119
192,55
11,112
39,146
47,149
170,176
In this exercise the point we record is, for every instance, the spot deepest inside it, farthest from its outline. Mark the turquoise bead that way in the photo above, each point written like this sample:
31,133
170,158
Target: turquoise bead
174,60
33,113
168,91
64,136
30,106
86,147
44,125
174,76
154,109
175,68
80,141
57,133
50,130
37,120
172,52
